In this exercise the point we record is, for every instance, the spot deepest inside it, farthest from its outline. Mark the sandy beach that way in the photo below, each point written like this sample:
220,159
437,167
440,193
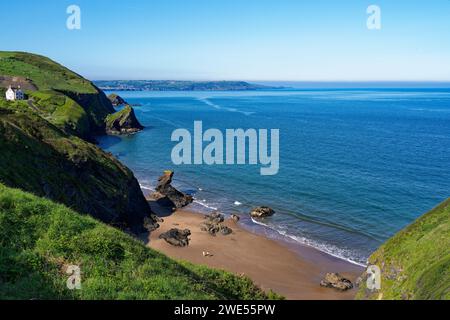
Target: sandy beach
294,272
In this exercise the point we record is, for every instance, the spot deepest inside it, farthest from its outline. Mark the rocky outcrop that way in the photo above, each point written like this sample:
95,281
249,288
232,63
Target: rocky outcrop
123,122
117,100
167,196
214,225
176,237
262,212
336,281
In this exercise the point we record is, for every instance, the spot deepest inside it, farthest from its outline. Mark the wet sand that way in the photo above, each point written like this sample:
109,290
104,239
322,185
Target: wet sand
294,272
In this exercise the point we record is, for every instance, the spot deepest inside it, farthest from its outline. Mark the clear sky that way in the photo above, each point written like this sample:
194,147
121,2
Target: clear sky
320,40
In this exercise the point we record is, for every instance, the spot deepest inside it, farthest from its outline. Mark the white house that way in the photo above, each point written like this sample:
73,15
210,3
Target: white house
14,94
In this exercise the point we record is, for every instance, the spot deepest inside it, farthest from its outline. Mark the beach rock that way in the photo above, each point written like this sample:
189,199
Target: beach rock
235,218
262,212
151,223
117,100
224,230
214,225
168,195
176,237
335,280
215,217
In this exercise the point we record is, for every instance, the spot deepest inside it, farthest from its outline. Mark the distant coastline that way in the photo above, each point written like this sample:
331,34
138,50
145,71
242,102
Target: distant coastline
176,85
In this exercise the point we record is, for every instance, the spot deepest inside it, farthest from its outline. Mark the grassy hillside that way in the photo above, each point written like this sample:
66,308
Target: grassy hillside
415,263
60,95
43,72
38,157
39,239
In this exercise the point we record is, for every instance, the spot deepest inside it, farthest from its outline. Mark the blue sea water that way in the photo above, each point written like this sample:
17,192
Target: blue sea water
356,165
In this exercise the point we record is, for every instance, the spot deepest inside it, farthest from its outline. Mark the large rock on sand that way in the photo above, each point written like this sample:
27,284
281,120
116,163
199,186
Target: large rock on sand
167,196
214,224
176,237
262,212
335,280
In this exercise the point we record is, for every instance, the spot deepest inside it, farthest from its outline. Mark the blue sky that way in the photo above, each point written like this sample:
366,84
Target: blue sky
322,40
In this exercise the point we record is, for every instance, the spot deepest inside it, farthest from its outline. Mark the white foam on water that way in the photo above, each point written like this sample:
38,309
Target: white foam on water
325,248
237,203
216,106
204,204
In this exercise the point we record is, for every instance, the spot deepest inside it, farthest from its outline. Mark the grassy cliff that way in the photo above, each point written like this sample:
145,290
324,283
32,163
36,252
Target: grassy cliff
60,95
40,239
39,157
42,147
415,263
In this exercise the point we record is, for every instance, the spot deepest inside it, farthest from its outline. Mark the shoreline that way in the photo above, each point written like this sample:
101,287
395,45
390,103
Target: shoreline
256,227
292,271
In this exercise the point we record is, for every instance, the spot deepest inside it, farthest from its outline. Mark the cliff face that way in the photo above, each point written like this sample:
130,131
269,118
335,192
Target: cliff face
97,107
415,263
40,158
44,148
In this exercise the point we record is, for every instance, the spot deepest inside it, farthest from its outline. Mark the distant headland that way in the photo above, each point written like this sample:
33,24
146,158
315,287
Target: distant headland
177,85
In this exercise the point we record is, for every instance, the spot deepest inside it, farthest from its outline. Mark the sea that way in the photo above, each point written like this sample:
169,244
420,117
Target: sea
356,164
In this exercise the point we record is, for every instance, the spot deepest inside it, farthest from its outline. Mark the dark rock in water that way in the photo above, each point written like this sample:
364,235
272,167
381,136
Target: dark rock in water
176,237
235,218
117,100
123,122
214,224
262,212
335,280
167,196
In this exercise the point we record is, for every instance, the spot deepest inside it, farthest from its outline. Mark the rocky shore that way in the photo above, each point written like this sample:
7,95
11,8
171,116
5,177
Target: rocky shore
292,272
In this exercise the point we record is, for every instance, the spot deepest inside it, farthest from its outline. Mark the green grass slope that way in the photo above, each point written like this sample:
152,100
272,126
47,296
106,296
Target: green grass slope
38,157
415,263
43,72
40,239
60,95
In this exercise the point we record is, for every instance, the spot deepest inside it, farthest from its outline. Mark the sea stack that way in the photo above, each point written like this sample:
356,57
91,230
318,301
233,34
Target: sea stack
167,196
123,122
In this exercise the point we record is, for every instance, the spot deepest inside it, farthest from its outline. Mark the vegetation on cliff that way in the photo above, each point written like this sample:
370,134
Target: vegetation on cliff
415,263
39,157
42,149
58,94
40,239
123,122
